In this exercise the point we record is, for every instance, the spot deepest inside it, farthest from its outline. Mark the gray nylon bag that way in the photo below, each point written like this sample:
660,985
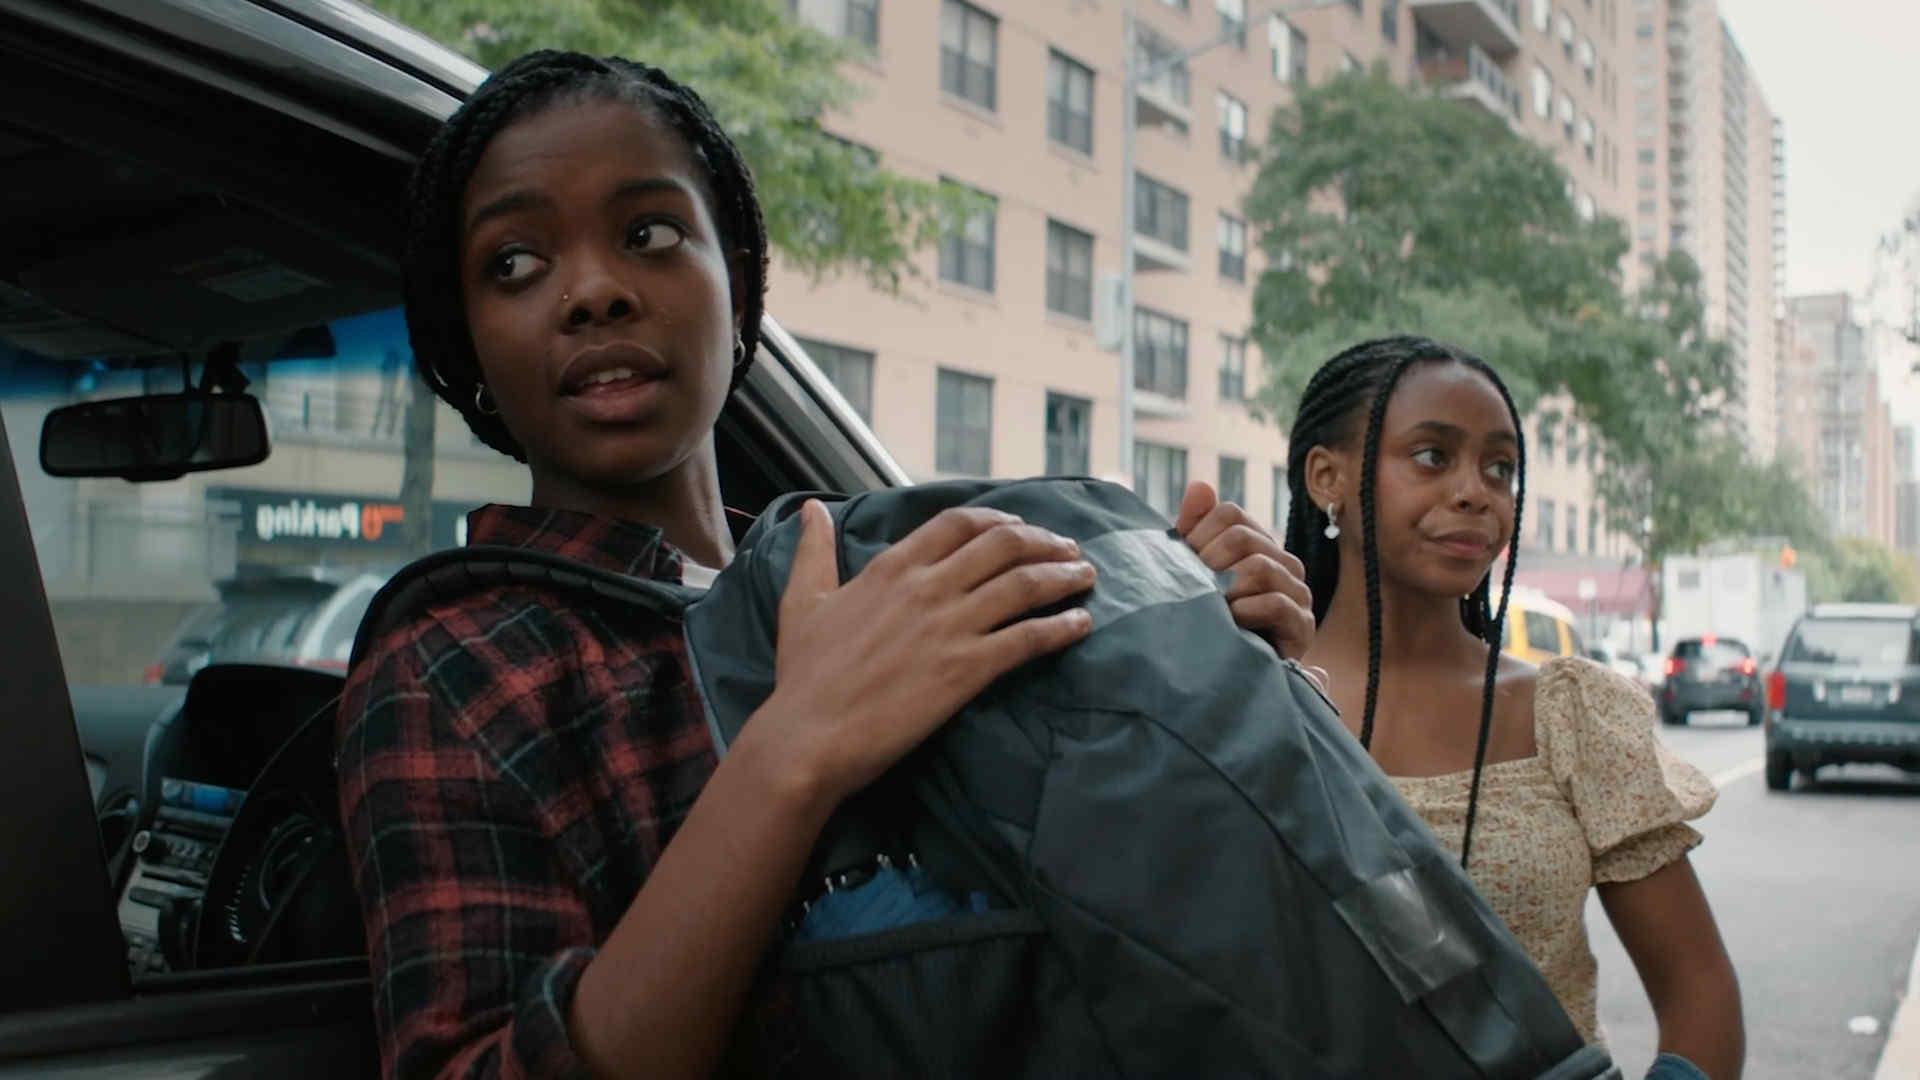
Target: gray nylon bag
1196,870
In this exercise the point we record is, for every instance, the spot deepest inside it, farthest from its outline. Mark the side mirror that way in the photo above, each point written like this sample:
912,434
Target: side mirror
154,437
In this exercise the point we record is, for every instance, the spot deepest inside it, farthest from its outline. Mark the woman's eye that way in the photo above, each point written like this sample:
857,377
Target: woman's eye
1503,471
1432,458
512,267
654,235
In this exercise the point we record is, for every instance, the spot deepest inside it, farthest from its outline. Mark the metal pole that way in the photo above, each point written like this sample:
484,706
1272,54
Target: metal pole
1128,119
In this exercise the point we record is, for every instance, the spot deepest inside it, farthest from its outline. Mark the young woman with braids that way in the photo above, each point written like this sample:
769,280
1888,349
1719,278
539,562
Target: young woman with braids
1407,468
557,875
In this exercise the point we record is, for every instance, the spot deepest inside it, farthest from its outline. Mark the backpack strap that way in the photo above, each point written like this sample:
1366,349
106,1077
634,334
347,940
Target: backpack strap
457,572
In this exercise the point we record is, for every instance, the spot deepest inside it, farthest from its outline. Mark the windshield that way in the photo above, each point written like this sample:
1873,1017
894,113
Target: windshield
1855,642
149,582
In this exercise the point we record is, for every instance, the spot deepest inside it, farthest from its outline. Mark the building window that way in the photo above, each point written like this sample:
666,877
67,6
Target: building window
1233,128
1542,15
1566,113
1233,480
1547,524
1233,248
1390,20
1542,93
1069,271
1153,52
1593,531
1069,435
1586,135
1159,354
1573,447
1282,500
849,370
1586,57
1289,47
1233,20
1573,530
969,53
1069,103
1359,6
963,424
1348,63
857,21
1566,34
1233,368
966,253
1549,437
1160,476
1177,5
1160,212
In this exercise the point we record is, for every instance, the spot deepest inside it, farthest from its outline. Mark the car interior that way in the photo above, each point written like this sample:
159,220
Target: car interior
147,247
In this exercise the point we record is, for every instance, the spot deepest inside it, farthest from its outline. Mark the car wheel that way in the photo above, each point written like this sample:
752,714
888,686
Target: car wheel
1779,770
1676,718
1755,717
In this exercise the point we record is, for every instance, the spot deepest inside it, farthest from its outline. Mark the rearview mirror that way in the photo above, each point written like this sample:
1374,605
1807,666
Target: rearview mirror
154,437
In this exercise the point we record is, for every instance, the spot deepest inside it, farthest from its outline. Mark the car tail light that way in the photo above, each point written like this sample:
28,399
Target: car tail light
1675,666
1749,666
1777,691
154,674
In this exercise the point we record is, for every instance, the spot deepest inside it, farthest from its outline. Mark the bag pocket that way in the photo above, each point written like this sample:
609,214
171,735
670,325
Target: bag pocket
980,994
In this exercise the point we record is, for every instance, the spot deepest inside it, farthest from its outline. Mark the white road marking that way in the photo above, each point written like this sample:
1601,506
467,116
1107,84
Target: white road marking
1864,1025
1746,768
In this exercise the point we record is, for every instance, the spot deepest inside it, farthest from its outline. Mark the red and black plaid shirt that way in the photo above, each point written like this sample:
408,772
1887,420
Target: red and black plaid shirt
510,770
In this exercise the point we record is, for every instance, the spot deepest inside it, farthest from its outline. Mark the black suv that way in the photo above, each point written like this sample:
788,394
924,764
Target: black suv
1709,673
1847,690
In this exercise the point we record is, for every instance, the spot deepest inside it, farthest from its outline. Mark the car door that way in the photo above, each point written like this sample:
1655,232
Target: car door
305,111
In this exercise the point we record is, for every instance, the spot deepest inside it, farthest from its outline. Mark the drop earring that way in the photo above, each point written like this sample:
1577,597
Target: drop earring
1332,531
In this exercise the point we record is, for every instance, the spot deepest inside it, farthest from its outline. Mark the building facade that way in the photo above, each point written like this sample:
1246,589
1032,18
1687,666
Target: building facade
990,363
1710,180
1850,455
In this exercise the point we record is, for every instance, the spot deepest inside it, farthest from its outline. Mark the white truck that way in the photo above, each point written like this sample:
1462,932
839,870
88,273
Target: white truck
1748,596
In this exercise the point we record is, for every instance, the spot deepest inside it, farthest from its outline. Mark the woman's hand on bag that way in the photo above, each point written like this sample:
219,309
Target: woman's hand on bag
1269,594
867,669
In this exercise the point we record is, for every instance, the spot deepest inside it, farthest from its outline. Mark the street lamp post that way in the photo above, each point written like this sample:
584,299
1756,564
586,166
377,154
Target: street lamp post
1136,75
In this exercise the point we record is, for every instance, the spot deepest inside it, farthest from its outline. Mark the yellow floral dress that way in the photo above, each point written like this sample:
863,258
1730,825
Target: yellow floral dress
1602,800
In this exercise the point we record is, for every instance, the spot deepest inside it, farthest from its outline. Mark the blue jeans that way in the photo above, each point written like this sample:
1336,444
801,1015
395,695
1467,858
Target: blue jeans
1674,1067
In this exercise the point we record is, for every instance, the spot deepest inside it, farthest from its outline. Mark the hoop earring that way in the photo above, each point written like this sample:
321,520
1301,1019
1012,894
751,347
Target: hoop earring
483,401
739,350
1332,531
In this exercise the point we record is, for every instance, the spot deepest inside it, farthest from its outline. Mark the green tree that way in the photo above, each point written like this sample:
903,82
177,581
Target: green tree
1863,571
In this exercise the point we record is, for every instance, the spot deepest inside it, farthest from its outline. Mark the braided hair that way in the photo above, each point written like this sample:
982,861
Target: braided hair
1365,375
443,348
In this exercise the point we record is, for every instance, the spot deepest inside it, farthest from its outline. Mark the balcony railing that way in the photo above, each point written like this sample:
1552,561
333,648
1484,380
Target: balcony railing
1475,77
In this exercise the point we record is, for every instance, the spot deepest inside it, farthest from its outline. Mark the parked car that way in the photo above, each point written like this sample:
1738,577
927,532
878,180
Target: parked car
305,617
195,185
1709,674
1847,690
1540,628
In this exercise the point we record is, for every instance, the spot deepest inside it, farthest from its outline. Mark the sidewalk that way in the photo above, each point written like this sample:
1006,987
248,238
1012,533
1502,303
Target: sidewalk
1900,1060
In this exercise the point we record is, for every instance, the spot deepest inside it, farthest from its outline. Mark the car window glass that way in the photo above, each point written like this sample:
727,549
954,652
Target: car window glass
1543,632
1854,642
141,578
335,645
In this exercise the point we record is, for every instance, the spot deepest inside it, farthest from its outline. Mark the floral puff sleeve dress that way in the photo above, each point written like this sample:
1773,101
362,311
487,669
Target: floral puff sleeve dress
1601,801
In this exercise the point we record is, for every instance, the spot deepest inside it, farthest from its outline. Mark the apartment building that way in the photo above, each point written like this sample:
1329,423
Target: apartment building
1711,181
1850,457
989,363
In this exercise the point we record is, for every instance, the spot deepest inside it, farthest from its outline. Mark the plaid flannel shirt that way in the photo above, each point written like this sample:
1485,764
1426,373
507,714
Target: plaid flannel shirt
510,771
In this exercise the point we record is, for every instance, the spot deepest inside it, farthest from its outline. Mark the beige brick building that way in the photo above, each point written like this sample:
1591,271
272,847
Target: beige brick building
1710,180
989,363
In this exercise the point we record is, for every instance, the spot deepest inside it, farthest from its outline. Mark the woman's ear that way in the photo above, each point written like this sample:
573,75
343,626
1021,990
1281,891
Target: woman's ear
1326,476
737,287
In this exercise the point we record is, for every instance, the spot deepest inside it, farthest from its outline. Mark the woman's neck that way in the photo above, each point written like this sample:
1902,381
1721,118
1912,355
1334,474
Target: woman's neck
1416,628
683,503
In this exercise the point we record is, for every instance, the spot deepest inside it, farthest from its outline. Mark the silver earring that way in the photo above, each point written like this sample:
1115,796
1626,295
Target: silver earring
483,402
1332,531
739,350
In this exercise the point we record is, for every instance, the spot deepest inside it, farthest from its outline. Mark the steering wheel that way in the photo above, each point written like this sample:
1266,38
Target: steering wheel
281,888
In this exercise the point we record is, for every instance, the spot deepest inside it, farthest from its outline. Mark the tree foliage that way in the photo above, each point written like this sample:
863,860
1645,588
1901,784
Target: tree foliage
1863,571
1383,209
829,204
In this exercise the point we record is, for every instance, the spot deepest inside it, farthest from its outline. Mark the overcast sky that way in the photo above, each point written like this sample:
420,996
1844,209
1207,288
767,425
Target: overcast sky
1844,78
